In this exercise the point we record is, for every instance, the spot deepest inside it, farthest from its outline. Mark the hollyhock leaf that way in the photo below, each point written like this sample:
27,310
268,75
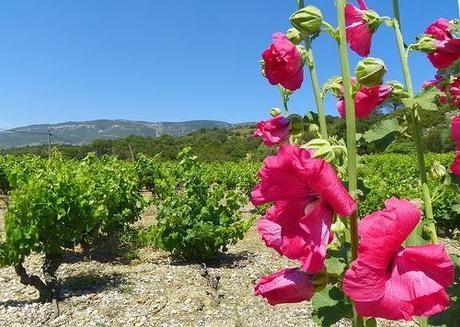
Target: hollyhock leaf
330,306
425,100
382,129
416,237
336,261
421,321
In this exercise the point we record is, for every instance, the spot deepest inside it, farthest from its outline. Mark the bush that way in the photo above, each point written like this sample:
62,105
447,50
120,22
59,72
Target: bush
197,218
397,175
62,204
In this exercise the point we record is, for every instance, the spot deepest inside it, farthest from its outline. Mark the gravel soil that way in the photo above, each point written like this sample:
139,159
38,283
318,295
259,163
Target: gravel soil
146,287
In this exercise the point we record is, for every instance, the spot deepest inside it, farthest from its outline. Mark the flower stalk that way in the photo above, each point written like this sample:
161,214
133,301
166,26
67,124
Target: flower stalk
351,136
285,100
315,83
417,134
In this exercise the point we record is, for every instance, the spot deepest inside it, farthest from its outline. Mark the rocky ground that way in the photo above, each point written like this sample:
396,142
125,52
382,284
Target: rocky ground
145,287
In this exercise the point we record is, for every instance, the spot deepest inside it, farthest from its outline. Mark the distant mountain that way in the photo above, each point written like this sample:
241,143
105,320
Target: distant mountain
84,132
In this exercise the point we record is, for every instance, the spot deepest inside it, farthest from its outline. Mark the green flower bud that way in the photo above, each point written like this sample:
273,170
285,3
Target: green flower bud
294,36
296,124
425,43
338,227
303,53
398,91
335,86
307,21
275,112
370,72
373,19
262,67
438,171
323,149
313,128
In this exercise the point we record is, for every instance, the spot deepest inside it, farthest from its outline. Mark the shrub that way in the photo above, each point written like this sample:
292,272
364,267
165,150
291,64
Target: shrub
197,218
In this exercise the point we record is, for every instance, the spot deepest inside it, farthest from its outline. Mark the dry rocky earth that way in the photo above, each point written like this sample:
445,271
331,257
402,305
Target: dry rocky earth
148,288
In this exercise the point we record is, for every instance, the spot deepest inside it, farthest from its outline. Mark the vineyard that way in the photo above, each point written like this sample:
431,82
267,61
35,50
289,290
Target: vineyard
187,220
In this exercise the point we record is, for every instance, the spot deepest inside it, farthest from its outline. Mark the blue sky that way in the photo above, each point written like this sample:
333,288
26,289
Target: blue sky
157,60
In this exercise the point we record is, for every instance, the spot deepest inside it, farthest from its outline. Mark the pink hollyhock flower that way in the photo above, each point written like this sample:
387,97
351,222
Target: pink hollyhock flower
455,128
306,192
361,24
455,88
447,47
273,131
392,282
298,231
294,175
285,286
367,99
451,92
283,63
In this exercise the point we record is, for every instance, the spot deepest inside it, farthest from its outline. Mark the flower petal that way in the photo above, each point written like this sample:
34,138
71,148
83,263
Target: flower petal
285,286
293,175
383,232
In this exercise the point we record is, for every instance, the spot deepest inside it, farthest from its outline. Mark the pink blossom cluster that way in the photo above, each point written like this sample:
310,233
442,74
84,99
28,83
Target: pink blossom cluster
387,279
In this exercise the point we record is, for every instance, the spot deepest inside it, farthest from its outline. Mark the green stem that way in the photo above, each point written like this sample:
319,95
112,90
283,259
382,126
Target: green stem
351,136
458,8
285,102
316,89
315,83
417,131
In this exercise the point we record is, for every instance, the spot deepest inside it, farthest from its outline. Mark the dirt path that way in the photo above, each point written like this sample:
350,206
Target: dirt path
152,290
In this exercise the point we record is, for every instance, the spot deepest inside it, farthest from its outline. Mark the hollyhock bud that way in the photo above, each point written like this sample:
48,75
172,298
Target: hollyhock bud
425,43
303,53
335,86
313,128
294,36
296,124
283,63
307,21
273,131
275,112
285,286
370,72
437,170
338,227
262,68
398,90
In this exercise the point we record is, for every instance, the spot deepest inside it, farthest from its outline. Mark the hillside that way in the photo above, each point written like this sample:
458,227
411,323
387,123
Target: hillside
210,140
84,132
